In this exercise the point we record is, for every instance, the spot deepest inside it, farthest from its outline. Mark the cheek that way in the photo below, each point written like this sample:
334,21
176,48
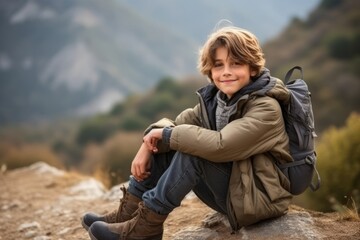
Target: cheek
214,74
210,77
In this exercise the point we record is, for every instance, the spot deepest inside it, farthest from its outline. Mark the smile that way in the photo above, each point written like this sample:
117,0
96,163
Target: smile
227,81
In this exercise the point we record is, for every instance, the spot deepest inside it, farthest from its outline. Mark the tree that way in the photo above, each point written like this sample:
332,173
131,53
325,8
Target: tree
338,163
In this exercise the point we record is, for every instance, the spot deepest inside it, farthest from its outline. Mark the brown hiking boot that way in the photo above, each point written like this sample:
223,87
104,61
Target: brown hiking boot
128,205
146,225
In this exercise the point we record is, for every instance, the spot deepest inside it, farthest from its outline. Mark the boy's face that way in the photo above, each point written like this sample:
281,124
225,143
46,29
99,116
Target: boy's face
229,75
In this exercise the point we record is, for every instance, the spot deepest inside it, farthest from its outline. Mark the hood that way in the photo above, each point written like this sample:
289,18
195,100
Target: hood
272,87
278,91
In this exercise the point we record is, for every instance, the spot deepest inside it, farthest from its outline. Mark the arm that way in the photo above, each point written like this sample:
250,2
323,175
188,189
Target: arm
188,116
256,132
152,141
141,164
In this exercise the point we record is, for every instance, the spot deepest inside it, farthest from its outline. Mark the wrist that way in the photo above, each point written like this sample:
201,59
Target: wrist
145,148
166,135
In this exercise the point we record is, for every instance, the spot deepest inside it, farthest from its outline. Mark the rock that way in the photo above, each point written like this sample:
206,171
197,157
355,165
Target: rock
214,219
11,205
65,231
30,234
49,205
87,190
44,168
294,225
30,229
115,193
42,238
27,226
195,233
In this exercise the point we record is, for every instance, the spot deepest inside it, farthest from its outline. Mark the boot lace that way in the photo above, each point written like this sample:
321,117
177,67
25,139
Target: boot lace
123,201
140,213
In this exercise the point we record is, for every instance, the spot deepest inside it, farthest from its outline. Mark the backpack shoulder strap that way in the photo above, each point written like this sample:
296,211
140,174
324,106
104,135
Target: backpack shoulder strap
316,186
290,72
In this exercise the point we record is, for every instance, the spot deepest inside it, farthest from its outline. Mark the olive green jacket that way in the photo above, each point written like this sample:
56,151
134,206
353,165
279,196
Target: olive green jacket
253,138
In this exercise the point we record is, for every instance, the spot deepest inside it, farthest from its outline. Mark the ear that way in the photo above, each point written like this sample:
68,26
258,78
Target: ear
253,71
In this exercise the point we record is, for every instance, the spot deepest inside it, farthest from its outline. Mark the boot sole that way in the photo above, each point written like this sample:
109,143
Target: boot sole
157,237
84,225
92,237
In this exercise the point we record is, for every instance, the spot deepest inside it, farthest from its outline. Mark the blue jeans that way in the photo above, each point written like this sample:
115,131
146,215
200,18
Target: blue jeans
175,174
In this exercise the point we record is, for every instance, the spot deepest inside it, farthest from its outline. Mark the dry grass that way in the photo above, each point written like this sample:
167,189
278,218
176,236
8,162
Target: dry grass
20,155
346,212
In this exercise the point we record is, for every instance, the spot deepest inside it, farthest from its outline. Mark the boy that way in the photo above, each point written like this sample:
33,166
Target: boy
223,149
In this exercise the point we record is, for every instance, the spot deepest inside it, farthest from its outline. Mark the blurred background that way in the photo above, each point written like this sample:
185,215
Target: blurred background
80,80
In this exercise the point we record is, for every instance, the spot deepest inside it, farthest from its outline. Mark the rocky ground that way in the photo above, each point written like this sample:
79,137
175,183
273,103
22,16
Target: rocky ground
40,202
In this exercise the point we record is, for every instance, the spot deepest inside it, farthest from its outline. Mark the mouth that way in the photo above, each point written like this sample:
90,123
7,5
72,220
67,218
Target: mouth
227,81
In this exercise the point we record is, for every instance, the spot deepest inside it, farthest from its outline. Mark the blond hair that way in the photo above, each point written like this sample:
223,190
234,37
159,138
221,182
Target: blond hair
242,45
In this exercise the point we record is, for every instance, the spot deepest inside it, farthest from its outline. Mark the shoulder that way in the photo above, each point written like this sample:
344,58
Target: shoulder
264,102
263,107
279,91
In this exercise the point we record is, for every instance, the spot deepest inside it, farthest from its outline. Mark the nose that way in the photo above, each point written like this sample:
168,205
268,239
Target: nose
226,71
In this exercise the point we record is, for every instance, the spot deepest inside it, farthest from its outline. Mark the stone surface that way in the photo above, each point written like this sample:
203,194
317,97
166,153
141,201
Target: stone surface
40,202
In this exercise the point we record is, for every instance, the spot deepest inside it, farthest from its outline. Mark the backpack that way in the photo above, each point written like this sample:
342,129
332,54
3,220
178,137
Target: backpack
299,124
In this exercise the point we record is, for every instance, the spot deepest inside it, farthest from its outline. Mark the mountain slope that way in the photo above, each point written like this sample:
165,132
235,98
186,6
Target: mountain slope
327,46
61,57
74,57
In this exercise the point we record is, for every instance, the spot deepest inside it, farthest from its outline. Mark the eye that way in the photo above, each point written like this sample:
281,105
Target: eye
217,64
236,63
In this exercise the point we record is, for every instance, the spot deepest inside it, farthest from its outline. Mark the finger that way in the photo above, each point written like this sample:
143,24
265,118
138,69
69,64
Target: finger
139,173
145,175
154,141
155,150
139,179
154,145
133,172
143,169
148,165
136,178
148,143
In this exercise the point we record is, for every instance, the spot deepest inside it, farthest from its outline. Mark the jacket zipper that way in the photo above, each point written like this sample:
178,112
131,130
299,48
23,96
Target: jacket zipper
205,122
204,114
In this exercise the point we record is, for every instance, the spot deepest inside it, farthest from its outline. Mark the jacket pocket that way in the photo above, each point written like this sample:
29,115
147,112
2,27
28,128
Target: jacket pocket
273,181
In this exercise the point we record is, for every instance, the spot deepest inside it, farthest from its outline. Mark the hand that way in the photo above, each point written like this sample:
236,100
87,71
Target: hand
151,139
141,164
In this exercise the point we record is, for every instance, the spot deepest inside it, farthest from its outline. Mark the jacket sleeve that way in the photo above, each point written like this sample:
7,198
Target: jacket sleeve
188,116
256,132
